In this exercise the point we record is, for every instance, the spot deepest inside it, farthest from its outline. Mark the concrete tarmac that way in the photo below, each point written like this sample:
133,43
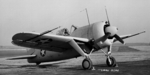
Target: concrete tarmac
129,63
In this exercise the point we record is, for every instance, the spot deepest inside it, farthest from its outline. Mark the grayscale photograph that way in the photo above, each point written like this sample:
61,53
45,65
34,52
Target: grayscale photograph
74,37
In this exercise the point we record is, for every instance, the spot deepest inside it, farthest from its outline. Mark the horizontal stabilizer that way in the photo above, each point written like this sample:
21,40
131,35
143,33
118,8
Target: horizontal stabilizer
21,57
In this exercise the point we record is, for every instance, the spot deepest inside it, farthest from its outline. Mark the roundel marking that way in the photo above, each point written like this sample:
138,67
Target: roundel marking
43,52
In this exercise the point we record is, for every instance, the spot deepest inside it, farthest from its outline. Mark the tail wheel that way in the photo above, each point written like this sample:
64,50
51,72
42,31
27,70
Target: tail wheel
87,64
111,62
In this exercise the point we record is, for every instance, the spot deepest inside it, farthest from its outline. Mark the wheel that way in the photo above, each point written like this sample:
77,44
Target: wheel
111,62
87,64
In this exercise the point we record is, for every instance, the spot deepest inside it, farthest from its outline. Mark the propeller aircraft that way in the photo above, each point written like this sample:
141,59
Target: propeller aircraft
82,41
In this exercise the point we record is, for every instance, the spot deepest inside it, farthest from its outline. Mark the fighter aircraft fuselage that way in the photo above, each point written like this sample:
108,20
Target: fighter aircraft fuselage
47,56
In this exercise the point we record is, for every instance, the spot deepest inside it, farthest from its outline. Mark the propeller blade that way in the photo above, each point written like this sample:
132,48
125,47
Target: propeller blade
107,16
104,38
118,38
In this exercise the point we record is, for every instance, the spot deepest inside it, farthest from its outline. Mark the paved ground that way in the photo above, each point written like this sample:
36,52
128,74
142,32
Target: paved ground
129,63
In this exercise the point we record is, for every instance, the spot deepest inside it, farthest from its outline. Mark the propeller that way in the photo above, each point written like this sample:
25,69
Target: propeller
112,30
118,38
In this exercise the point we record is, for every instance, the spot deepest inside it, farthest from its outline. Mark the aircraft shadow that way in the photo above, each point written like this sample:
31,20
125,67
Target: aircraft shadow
45,65
131,66
142,64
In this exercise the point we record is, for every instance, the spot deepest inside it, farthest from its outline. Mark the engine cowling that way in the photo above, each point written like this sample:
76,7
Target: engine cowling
103,34
99,31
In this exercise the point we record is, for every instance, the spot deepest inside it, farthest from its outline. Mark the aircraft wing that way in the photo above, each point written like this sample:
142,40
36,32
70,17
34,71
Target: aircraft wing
129,35
46,42
21,57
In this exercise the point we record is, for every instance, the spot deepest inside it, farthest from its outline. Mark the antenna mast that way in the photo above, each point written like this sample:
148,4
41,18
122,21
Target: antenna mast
87,16
88,22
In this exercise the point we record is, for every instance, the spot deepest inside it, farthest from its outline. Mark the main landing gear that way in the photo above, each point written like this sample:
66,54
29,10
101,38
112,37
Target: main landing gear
87,64
110,61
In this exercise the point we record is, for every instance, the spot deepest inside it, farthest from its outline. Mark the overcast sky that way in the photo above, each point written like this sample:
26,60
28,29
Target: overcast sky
130,16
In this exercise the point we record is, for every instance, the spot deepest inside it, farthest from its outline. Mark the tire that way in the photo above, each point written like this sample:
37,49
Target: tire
113,62
87,64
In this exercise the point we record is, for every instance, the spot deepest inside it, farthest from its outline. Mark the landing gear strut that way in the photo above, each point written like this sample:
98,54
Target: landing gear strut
87,64
110,61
